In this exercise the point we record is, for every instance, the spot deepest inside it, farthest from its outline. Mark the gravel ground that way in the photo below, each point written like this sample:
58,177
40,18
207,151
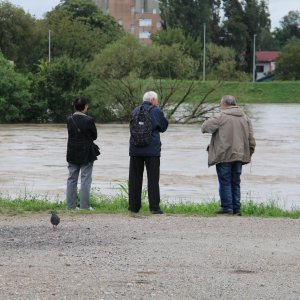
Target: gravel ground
153,257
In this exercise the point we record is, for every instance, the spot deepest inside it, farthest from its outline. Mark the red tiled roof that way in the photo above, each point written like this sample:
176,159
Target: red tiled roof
266,56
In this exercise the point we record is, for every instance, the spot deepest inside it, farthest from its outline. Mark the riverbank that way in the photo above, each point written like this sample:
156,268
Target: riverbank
119,205
155,257
248,92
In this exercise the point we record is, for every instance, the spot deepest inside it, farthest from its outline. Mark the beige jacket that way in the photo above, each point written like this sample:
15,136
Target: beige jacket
232,137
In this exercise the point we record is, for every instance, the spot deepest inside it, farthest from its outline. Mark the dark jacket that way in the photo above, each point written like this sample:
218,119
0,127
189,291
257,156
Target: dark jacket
80,148
159,124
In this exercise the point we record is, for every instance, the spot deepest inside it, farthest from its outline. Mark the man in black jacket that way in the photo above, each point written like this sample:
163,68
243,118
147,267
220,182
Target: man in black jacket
80,154
147,155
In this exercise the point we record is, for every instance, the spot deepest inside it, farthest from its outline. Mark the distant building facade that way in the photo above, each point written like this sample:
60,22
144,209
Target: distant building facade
140,17
265,63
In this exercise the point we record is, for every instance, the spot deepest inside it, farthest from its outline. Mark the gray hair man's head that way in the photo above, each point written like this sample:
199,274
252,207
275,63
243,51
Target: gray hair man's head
228,100
148,96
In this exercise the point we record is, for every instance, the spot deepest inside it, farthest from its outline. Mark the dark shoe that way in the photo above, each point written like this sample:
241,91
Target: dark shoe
223,211
133,211
157,212
237,212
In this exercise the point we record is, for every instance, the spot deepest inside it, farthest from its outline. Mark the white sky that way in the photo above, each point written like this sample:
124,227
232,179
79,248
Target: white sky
277,8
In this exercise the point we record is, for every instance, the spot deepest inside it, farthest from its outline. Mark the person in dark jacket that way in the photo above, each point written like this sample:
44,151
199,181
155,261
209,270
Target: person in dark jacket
147,155
81,154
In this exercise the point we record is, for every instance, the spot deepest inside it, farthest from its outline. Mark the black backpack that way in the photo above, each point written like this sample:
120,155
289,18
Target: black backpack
141,127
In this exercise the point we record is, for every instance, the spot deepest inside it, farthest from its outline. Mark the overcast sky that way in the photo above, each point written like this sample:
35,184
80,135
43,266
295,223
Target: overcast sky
277,8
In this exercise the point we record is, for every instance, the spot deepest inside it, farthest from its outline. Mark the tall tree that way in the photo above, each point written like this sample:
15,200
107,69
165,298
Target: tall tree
80,29
190,15
18,35
88,12
242,21
257,19
215,6
73,38
290,27
235,31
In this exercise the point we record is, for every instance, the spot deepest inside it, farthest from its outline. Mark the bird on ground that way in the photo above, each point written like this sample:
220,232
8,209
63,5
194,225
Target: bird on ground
54,219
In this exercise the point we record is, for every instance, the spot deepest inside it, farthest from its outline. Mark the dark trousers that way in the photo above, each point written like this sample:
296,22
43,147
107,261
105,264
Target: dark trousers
229,175
136,170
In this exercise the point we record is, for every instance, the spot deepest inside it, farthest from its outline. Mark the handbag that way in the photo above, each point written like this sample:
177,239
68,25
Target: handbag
96,149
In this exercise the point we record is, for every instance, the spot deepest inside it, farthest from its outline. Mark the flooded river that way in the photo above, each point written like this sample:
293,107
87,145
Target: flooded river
32,160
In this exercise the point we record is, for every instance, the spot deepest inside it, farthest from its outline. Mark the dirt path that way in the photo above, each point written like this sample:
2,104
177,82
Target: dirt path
155,257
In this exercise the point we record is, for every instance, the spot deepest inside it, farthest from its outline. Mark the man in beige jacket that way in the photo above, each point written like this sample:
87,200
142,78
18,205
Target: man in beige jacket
232,145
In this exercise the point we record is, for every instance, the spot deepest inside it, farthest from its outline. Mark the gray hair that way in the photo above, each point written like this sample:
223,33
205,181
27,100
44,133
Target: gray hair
228,100
148,96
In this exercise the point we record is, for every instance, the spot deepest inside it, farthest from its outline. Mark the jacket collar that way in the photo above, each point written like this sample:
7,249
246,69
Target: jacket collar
79,113
146,103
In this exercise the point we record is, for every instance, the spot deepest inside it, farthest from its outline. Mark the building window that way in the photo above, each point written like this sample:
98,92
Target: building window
158,25
259,69
120,22
147,6
145,22
131,28
144,35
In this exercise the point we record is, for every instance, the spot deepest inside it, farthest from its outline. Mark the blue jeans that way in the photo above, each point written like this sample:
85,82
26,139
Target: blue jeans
229,175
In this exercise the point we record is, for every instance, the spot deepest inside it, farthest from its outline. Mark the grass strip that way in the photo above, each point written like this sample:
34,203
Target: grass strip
119,205
275,92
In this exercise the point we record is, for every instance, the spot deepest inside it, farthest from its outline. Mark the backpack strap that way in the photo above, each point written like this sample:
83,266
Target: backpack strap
148,110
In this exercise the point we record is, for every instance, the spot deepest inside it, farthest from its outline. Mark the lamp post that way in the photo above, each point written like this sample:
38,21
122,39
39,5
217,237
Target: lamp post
204,49
254,55
49,48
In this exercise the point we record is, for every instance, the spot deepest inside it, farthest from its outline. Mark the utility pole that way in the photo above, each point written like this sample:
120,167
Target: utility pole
204,49
49,49
254,56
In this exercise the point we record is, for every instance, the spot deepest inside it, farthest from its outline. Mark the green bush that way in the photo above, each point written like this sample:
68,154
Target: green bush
15,98
58,82
288,62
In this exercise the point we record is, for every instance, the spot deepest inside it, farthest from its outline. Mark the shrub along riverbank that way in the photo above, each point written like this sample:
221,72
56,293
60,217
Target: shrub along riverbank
248,92
118,205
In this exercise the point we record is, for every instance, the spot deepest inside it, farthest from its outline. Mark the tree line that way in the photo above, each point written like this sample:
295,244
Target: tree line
92,55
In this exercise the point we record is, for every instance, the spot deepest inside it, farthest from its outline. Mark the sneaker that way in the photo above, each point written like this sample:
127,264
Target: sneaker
157,212
223,211
90,208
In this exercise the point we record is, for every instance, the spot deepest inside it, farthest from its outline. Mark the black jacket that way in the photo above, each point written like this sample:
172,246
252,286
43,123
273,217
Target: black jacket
159,124
80,148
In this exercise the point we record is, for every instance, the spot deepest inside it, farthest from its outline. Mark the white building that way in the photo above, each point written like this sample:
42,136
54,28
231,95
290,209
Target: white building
265,63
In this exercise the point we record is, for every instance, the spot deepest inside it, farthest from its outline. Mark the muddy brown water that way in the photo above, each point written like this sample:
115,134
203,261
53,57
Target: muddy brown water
32,160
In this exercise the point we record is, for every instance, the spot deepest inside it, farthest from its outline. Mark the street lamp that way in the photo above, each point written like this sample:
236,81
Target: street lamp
204,49
49,48
254,55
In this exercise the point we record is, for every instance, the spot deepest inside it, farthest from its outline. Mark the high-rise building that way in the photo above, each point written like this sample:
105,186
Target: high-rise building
140,17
